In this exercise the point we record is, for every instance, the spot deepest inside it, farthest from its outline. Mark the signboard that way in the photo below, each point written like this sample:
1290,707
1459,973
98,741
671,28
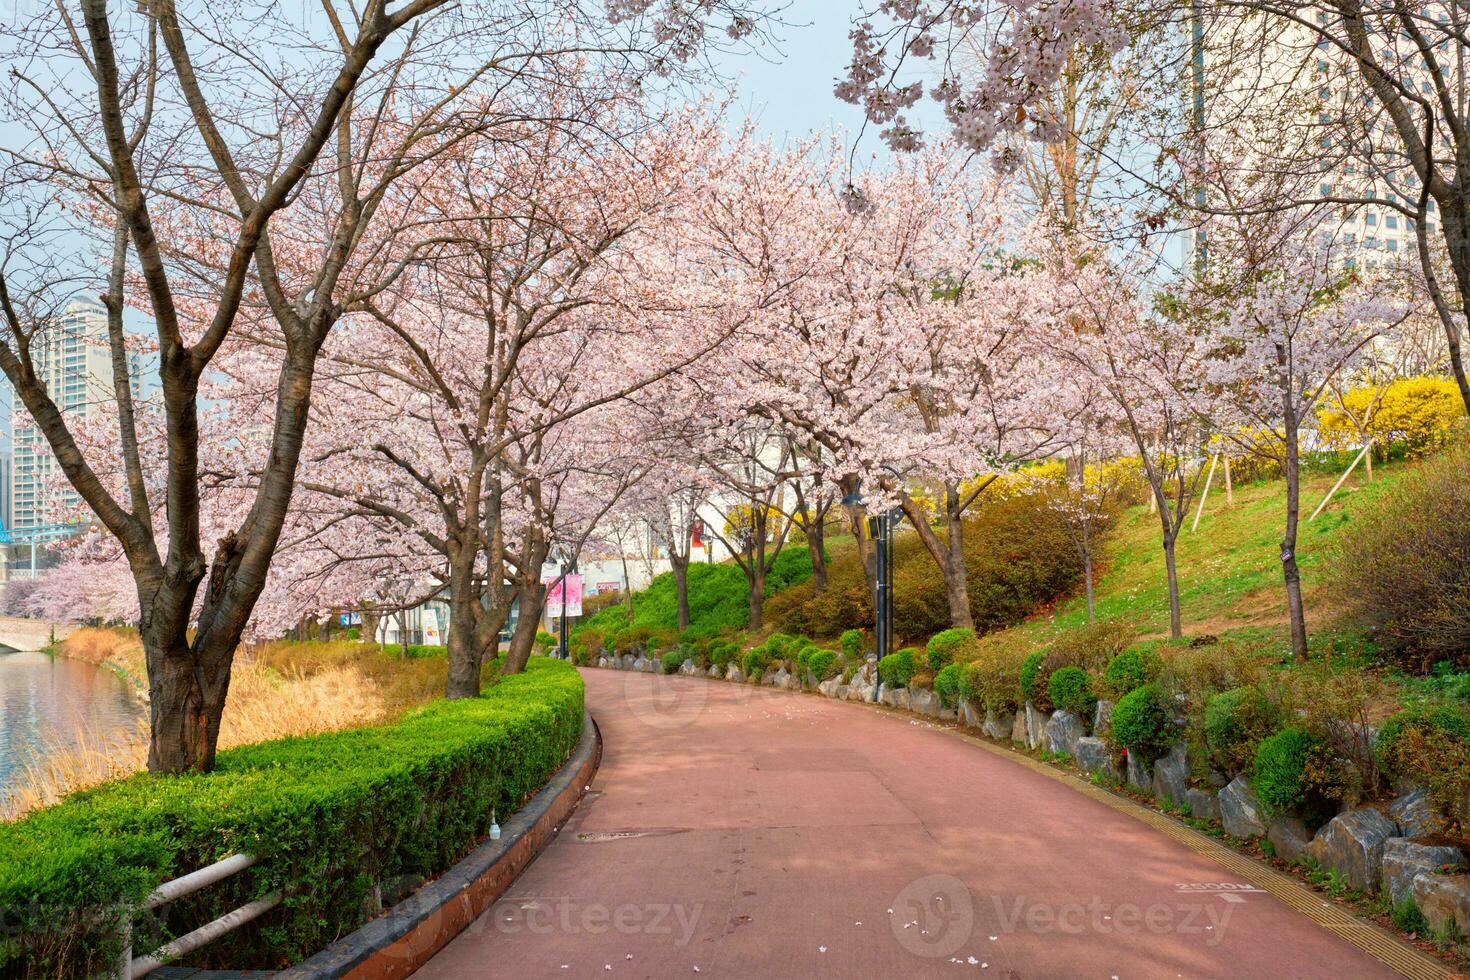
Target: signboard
351,619
573,585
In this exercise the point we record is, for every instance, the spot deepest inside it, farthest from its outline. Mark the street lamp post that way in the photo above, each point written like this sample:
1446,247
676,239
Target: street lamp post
562,650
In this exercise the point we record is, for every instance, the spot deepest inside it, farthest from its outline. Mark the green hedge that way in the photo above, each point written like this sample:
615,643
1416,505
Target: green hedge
897,669
332,815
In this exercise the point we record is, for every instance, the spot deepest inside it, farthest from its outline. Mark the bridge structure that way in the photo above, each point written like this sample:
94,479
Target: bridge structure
18,633
36,535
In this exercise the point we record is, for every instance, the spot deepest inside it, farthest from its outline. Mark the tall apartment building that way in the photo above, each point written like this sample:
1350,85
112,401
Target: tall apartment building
74,361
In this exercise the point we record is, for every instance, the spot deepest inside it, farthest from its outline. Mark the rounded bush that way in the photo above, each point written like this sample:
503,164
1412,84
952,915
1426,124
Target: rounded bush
722,654
754,662
951,685
851,642
1430,744
1143,723
779,644
1130,670
1030,671
1070,689
897,669
1236,721
673,660
1418,720
942,646
823,664
1280,778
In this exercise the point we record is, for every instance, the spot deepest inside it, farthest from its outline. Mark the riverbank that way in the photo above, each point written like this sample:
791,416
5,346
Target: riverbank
276,690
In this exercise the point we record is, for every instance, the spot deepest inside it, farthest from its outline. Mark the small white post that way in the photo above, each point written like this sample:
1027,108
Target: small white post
1346,473
1205,495
1229,486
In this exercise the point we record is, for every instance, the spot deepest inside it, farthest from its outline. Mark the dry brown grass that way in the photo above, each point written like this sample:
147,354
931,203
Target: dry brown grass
276,690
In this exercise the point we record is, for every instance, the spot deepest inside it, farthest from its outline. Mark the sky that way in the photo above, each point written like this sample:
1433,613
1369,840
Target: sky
785,88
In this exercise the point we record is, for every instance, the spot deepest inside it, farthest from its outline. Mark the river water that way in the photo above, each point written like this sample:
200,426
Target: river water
47,702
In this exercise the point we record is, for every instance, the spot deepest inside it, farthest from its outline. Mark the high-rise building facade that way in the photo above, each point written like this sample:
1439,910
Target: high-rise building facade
74,360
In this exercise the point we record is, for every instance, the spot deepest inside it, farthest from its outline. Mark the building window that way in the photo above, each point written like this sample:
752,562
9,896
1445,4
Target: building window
1391,221
1370,219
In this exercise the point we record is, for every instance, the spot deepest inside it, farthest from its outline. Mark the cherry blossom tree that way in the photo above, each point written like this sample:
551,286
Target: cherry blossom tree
1284,318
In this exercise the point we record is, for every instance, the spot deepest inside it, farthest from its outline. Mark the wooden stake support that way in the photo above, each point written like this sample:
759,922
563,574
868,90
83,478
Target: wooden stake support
1206,494
1346,473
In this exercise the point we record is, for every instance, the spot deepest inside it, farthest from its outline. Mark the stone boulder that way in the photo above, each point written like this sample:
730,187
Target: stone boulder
1289,838
998,726
1139,776
1036,727
894,697
1203,805
1352,845
603,662
642,663
1102,717
1240,812
829,687
924,701
628,661
859,690
1405,859
1171,775
1445,902
1062,731
1415,814
1094,755
715,672
1018,728
734,673
970,716
783,679
688,669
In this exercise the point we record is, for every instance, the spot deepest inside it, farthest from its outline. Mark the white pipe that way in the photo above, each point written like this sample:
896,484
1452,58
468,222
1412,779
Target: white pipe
193,881
1204,496
189,942
1345,474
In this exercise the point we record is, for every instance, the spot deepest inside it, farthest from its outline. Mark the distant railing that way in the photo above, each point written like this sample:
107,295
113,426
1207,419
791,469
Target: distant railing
169,891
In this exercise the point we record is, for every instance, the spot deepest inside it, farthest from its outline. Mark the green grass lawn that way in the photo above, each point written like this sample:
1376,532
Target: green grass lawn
1229,569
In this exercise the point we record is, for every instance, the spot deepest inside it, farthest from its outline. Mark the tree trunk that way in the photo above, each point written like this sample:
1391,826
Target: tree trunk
956,578
186,699
1296,612
680,568
1086,550
816,534
1176,621
523,638
857,523
755,576
465,653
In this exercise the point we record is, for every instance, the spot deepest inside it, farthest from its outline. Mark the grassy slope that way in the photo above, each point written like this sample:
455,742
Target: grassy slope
1229,570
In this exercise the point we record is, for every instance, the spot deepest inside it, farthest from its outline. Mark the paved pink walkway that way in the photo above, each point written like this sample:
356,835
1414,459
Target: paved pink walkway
739,833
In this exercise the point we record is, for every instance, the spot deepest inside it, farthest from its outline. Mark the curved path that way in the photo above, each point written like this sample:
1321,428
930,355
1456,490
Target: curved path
738,832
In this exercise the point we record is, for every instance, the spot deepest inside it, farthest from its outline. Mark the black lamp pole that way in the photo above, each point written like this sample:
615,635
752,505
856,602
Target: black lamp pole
562,642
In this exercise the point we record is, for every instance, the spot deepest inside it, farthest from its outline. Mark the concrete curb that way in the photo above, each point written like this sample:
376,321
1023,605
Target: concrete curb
397,943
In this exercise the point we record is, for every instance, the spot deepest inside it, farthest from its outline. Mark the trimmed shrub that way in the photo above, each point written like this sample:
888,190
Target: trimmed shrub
721,655
587,644
851,643
1093,647
1236,721
780,644
824,664
1280,779
1130,670
419,651
944,644
754,663
545,642
332,815
1405,568
1029,673
631,639
950,685
897,669
1143,724
1070,689
673,660
994,676
1430,744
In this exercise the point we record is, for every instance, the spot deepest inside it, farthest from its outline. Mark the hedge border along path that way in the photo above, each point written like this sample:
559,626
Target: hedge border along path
337,812
404,939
